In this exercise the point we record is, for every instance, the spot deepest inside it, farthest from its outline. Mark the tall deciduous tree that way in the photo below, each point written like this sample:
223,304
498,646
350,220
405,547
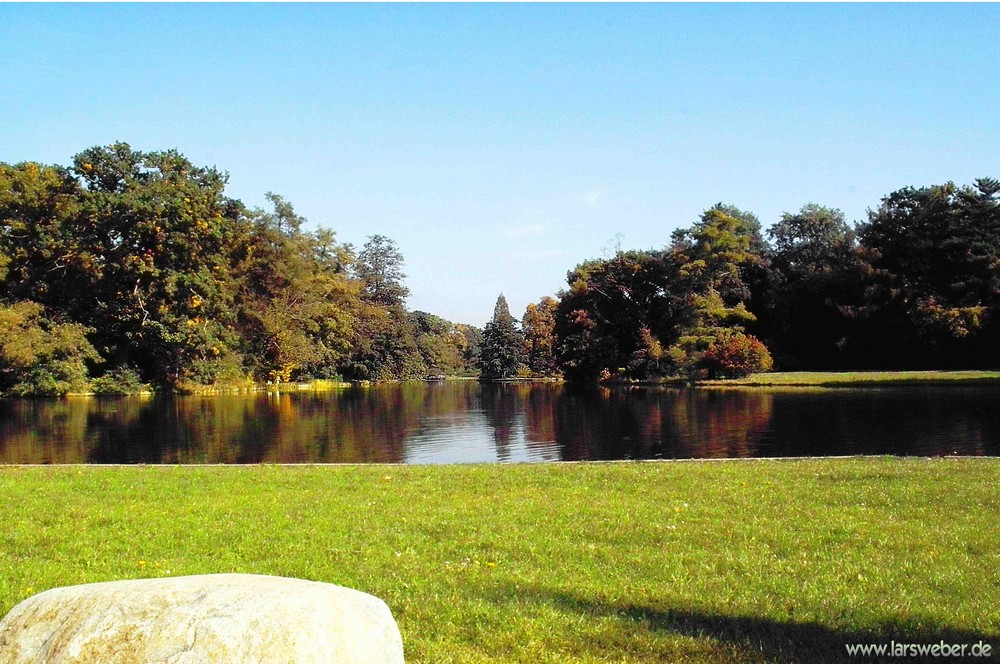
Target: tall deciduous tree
814,240
380,268
296,299
616,315
386,345
819,278
472,348
134,245
538,325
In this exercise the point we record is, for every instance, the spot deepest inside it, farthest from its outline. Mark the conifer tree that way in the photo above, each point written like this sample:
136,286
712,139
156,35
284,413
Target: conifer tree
502,343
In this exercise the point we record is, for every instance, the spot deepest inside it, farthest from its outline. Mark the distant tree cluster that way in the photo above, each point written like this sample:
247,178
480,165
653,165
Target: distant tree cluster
916,286
508,351
131,267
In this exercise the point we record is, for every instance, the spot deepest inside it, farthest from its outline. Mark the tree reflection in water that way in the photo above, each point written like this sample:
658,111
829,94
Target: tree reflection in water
466,421
500,402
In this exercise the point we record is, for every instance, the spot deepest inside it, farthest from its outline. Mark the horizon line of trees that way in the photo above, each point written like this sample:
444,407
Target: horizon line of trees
134,267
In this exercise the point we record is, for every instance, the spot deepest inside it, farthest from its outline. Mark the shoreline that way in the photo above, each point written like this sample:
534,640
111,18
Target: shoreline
831,379
789,379
518,464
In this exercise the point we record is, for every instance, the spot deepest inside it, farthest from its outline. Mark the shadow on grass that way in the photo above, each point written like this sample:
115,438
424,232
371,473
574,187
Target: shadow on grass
753,639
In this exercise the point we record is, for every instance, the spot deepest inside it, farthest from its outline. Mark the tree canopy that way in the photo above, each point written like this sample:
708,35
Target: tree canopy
915,286
139,262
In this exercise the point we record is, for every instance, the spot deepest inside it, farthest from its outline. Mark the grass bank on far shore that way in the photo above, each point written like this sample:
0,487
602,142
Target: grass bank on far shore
860,378
750,561
250,387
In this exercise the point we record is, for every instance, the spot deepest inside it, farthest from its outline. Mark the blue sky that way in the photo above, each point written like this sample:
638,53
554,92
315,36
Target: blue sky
500,145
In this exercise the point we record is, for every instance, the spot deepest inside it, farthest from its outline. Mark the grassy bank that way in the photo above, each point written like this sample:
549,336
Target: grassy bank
861,378
684,561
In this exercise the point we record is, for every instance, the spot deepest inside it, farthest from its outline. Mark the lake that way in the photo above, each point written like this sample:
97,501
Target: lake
469,422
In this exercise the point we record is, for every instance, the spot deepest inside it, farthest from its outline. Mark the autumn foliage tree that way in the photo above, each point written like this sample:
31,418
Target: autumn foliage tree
641,314
442,345
735,356
713,257
297,302
135,246
538,326
617,316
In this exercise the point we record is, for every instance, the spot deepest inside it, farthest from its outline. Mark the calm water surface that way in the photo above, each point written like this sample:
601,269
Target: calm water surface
465,422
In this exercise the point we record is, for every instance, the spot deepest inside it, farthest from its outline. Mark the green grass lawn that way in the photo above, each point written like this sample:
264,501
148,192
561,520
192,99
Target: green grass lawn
655,561
848,378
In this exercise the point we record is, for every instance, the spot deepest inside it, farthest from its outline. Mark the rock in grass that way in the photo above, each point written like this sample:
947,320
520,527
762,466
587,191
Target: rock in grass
210,618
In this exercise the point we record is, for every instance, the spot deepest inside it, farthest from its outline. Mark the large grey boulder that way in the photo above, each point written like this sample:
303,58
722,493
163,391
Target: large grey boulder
215,618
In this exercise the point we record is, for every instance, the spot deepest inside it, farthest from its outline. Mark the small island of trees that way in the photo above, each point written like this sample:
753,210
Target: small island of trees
131,268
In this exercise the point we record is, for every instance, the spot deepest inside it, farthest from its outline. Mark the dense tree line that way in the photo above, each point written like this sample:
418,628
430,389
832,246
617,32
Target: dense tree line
135,267
917,285
131,267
